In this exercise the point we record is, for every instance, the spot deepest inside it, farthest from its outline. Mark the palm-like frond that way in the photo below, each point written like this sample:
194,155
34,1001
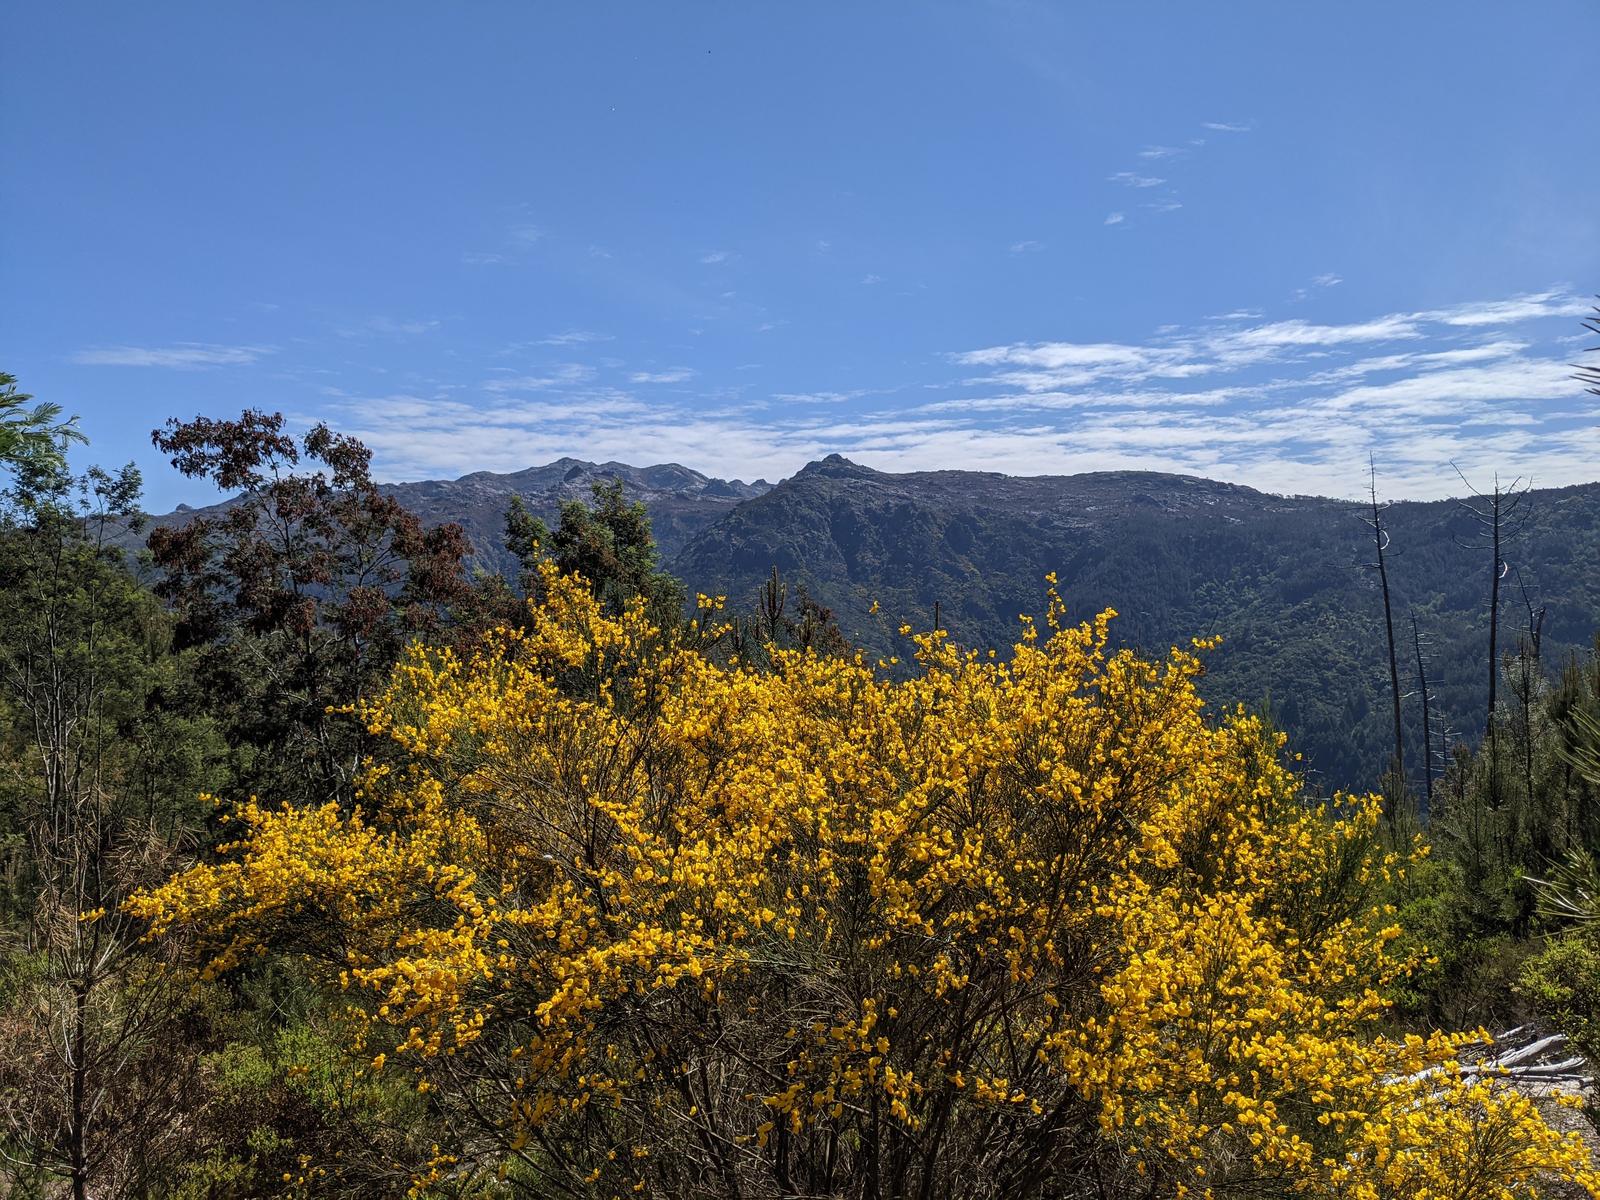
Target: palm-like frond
1572,893
1582,749
34,434
1588,374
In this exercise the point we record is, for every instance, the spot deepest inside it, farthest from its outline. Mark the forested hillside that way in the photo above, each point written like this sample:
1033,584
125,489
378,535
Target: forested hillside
1283,580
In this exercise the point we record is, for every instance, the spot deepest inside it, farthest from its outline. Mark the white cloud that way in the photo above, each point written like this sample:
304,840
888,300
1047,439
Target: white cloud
562,376
1228,127
1443,393
1420,361
184,356
1047,366
815,397
1509,312
390,327
1026,247
1133,179
1162,206
573,337
1304,333
869,280
716,256
1160,153
1113,218
1328,280
1054,355
1285,405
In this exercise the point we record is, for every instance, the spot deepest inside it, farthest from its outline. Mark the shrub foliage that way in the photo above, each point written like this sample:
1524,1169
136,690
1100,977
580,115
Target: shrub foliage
637,919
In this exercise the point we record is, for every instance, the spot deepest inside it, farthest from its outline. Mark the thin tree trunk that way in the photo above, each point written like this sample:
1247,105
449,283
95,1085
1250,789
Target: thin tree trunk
1381,540
79,1067
1494,655
1427,729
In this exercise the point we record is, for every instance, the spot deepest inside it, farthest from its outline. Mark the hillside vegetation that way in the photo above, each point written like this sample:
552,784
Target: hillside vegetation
1282,580
333,867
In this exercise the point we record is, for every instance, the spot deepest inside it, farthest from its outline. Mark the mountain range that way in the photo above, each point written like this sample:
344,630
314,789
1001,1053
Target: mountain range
1283,579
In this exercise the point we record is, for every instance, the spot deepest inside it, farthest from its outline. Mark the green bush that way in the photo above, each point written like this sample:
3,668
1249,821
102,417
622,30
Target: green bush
1562,982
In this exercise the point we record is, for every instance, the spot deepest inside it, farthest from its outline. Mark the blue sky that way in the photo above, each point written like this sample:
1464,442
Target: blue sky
1250,241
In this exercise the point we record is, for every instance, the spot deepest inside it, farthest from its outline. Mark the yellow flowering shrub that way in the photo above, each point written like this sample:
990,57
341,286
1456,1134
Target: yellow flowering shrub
641,922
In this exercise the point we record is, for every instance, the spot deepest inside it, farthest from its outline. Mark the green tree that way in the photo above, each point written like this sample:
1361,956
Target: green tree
608,542
97,795
36,435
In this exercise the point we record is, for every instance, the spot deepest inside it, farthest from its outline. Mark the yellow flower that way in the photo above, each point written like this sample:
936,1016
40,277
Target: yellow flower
783,922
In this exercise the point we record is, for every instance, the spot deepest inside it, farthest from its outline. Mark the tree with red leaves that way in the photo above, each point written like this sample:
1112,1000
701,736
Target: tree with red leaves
303,590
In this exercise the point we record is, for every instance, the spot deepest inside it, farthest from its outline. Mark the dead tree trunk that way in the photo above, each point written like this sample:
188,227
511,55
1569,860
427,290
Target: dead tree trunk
1427,725
1498,514
1380,537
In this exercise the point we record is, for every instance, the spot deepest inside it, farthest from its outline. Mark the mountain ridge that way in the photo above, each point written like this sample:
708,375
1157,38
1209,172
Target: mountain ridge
680,499
1279,577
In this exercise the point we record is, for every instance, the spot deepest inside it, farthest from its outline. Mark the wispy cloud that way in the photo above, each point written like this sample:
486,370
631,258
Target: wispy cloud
1294,405
1027,247
1114,218
183,356
1134,179
1303,333
711,258
869,280
1328,280
563,375
1518,308
1287,405
1169,156
516,242
390,327
798,398
574,337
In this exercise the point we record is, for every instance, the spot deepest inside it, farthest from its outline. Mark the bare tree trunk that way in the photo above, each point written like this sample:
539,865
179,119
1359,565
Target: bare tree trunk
79,1042
1494,610
1380,537
1427,728
1494,517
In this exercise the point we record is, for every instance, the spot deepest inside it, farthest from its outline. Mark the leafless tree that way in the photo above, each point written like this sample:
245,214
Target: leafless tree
1528,679
1420,645
1380,539
1499,515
